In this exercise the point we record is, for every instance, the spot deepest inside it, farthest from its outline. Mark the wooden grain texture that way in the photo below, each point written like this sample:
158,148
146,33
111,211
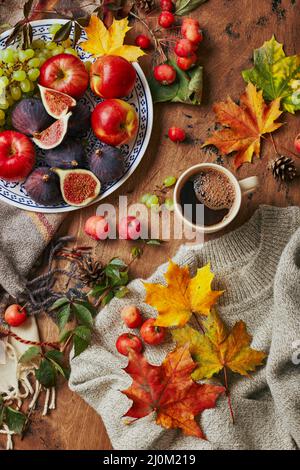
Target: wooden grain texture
233,28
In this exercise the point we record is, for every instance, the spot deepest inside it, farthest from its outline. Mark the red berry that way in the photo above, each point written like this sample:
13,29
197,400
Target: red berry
97,227
166,5
184,48
143,41
127,342
297,143
185,63
131,316
129,228
190,29
15,315
152,334
176,134
165,74
166,19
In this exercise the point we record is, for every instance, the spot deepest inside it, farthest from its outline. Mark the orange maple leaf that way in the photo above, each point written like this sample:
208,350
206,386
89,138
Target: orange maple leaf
169,391
182,296
244,124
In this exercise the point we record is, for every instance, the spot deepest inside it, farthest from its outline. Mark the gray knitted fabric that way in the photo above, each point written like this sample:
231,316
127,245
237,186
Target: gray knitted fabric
257,266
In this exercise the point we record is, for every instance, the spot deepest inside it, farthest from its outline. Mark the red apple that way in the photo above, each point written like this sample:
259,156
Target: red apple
15,315
152,334
65,73
114,122
129,228
112,77
126,342
297,143
97,228
17,156
131,316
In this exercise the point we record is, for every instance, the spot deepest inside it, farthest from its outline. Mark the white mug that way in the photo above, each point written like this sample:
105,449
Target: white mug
242,187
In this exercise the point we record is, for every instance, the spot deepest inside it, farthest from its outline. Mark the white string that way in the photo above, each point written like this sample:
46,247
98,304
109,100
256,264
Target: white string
9,434
52,405
45,410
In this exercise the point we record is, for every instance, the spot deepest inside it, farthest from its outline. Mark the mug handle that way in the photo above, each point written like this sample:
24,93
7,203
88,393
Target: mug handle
248,185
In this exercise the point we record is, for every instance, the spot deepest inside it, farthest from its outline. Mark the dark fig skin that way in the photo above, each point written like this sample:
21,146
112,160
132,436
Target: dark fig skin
80,121
42,185
107,164
68,155
29,117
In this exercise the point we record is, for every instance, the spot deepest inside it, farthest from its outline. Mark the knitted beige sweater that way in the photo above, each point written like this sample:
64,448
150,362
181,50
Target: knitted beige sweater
258,268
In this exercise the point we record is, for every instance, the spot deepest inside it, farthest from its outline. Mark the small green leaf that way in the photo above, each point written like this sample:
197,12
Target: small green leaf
46,374
82,339
107,298
122,292
63,316
32,353
84,21
55,355
183,7
15,420
136,252
65,335
64,32
154,242
89,306
27,8
116,262
98,290
59,303
83,315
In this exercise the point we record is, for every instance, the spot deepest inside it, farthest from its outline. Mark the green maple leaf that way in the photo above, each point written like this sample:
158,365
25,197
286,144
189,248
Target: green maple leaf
276,74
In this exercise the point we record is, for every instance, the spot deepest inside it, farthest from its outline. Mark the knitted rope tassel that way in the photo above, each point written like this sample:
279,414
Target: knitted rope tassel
6,332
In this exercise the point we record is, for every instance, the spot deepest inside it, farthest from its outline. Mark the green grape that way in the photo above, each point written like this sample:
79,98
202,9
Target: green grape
16,93
58,50
32,86
1,72
29,53
3,82
54,28
34,63
169,204
145,198
170,181
51,45
33,74
8,56
42,59
10,99
25,86
152,201
2,115
69,50
38,44
4,104
22,56
88,65
19,75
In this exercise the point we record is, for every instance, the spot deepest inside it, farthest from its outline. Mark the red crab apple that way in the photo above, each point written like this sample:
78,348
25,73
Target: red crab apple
65,73
131,316
297,143
129,228
97,227
126,342
112,77
190,29
15,315
114,122
152,334
17,156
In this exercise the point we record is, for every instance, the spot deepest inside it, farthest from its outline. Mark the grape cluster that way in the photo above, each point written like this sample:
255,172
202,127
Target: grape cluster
152,201
20,69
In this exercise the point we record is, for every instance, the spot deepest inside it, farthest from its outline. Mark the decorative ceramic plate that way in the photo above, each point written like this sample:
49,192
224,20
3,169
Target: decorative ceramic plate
15,194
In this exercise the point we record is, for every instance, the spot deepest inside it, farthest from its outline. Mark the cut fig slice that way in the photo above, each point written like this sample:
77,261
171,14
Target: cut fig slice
79,187
57,104
54,135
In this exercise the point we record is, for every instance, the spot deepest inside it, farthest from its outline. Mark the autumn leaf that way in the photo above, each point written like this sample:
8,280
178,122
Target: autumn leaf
219,348
169,391
276,74
244,124
102,41
182,296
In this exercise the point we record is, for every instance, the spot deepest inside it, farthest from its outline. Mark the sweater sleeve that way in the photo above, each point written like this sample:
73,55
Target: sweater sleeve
283,369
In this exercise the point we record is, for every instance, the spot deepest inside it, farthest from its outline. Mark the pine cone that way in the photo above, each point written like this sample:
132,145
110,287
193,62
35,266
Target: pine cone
145,5
284,169
90,271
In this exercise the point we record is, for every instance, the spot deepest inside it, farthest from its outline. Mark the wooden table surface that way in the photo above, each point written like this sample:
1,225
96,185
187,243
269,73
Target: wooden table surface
233,28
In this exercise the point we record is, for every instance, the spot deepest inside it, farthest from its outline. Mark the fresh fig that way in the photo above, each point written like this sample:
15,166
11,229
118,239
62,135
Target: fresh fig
80,121
79,187
54,135
42,185
57,104
70,154
30,117
107,164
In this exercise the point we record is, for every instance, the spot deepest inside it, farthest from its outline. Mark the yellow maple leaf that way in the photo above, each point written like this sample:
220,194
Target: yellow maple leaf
219,348
102,41
182,296
244,124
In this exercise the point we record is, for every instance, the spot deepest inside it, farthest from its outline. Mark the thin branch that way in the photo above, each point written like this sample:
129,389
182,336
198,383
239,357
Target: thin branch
228,395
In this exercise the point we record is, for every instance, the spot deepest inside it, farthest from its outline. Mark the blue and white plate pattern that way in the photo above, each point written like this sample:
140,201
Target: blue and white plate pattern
15,194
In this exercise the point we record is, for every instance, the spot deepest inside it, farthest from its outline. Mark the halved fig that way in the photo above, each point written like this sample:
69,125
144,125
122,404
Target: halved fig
54,135
79,187
57,104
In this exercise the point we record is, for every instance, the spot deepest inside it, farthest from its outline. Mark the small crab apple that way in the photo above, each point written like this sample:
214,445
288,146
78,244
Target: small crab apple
152,334
190,29
143,41
166,19
15,315
186,63
129,228
177,134
127,342
166,5
185,48
97,228
297,143
131,316
165,74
